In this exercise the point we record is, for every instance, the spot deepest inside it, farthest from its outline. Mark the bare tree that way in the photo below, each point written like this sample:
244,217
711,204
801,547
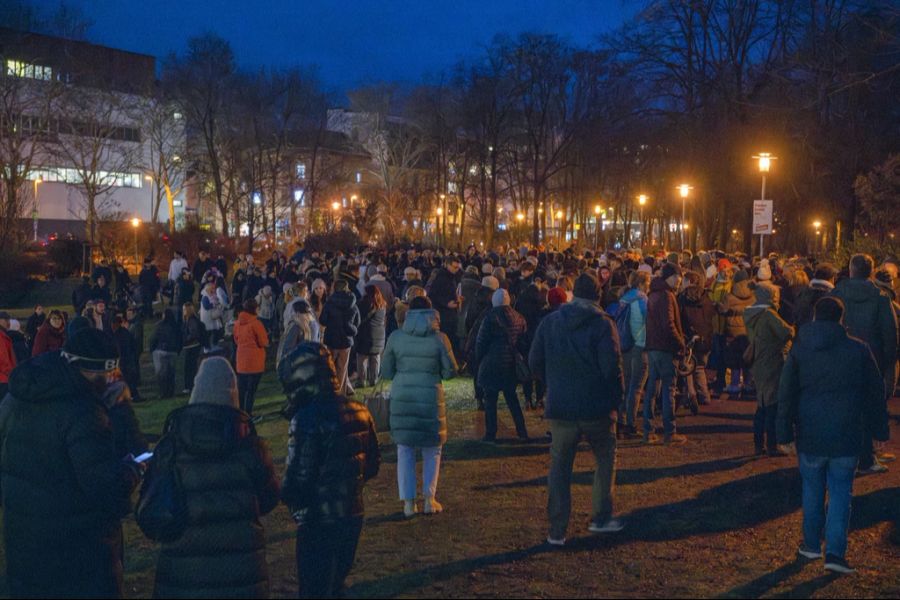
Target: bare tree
167,143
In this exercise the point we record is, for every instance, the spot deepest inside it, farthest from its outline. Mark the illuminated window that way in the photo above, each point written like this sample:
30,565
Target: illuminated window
299,197
358,177
73,177
18,68
301,170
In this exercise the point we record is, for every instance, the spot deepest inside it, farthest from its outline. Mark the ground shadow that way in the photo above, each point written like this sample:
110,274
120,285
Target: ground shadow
636,476
806,589
721,428
875,507
728,416
764,583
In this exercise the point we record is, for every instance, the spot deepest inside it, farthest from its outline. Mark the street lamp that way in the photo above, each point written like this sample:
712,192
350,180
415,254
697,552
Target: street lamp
683,190
443,210
597,211
135,223
34,213
150,179
765,163
642,200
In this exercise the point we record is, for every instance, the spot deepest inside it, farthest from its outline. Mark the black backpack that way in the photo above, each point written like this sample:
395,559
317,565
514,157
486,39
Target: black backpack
162,512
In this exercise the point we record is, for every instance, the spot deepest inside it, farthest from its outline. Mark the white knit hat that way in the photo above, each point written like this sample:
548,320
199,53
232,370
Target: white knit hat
500,298
765,271
490,282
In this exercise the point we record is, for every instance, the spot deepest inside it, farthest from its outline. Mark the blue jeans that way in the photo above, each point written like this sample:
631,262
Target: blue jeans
835,474
662,370
406,471
634,366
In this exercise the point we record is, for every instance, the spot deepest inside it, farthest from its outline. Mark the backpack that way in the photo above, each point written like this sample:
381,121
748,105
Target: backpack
623,326
162,512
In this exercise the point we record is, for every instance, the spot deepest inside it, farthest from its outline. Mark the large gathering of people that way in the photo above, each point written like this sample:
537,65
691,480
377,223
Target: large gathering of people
595,339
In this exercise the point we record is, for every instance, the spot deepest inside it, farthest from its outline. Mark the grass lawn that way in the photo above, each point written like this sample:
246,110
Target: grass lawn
703,519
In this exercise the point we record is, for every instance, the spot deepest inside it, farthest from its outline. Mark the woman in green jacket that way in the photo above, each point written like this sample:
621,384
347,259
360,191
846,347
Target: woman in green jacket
416,359
770,340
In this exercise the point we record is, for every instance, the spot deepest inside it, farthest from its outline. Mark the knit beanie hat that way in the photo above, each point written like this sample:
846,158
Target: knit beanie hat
586,287
500,298
556,296
91,350
724,264
672,258
644,267
490,282
215,383
669,269
741,275
764,273
487,269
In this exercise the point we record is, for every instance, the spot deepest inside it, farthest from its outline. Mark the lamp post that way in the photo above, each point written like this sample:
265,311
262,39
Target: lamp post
439,226
35,213
443,211
149,178
683,190
818,226
135,223
597,211
765,163
642,200
335,207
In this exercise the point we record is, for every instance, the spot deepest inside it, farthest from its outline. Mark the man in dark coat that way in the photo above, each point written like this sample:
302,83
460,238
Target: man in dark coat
340,318
129,363
869,316
332,452
665,340
441,291
832,394
65,487
148,281
203,264
576,354
82,294
820,285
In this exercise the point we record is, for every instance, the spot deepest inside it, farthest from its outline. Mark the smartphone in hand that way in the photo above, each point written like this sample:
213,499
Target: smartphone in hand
143,457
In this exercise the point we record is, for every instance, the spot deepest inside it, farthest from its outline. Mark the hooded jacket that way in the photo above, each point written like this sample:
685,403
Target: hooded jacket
229,481
770,336
664,332
64,486
251,341
501,335
698,315
417,358
637,320
870,317
576,353
48,338
739,298
832,393
340,318
370,335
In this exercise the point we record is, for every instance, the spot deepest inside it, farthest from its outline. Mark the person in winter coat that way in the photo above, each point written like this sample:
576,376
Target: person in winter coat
402,307
35,320
468,289
820,285
832,395
441,291
193,334
576,353
202,265
51,335
531,302
718,291
229,482
417,358
770,339
665,341
251,341
370,337
129,364
340,319
318,297
265,307
148,282
237,288
184,292
212,311
500,339
65,488
634,361
19,343
302,328
332,453
739,298
165,344
82,294
870,317
7,353
697,316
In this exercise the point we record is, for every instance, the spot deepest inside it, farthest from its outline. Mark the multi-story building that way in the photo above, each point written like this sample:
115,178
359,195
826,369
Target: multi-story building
79,114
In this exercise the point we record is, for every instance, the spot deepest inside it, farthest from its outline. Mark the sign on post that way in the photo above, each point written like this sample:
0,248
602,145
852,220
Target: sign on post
762,217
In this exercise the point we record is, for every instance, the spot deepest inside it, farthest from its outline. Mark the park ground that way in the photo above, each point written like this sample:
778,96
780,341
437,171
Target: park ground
703,519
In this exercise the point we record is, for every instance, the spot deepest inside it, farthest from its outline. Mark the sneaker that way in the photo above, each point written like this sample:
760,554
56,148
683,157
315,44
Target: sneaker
432,507
409,508
886,457
649,438
876,468
610,526
557,542
676,439
836,564
807,553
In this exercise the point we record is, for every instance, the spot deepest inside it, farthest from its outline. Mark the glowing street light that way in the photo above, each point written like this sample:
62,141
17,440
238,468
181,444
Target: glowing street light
559,215
683,190
335,206
135,223
520,217
642,201
765,163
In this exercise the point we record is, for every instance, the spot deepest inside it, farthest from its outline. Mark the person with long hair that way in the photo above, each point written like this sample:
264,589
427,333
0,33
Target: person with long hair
370,336
318,297
51,335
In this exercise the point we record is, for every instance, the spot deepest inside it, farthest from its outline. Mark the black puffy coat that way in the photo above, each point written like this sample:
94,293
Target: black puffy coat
500,336
229,481
332,452
697,315
370,337
65,487
340,318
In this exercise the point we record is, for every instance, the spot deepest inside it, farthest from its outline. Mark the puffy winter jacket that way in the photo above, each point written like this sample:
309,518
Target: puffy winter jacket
500,336
697,317
870,317
770,337
48,339
340,318
332,452
251,340
229,481
64,486
832,393
416,359
576,353
370,336
739,298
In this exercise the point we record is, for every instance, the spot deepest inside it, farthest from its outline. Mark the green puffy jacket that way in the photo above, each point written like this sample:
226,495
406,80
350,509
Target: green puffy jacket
770,336
416,359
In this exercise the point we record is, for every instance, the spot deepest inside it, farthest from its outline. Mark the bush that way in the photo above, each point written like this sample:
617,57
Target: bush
20,272
65,257
863,245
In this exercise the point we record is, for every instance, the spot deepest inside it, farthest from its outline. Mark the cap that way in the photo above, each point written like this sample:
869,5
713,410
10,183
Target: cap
91,350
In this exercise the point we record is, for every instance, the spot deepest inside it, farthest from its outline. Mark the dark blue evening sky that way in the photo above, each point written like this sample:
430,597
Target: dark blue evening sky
352,41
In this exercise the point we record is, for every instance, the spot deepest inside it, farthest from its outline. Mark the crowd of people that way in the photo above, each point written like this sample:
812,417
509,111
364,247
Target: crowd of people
592,338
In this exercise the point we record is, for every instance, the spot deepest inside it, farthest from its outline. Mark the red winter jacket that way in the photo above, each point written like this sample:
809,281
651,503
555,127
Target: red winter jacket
7,357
